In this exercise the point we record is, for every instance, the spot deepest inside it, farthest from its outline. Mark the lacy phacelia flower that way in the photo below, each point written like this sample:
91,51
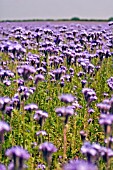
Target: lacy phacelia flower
39,77
65,112
40,116
47,149
25,71
18,154
4,127
79,165
66,98
2,167
3,102
89,95
30,107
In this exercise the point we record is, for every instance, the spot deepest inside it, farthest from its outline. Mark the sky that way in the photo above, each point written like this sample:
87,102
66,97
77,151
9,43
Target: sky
55,9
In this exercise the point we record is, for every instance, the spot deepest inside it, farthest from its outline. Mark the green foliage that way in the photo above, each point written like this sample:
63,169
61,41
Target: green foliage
110,19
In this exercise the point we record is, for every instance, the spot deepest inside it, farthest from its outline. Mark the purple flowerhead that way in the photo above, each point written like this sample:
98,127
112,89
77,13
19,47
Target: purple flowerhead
106,153
30,107
110,83
7,82
89,151
17,151
41,132
40,116
66,98
8,110
25,71
90,111
103,107
89,95
106,121
3,102
39,77
18,154
65,112
20,82
83,83
79,165
15,102
41,166
4,127
83,135
47,149
2,167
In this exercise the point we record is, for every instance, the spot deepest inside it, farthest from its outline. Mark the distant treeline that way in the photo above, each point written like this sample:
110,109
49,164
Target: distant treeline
63,19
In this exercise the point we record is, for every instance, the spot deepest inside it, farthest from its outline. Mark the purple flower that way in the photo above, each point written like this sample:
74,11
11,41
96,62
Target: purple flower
30,107
57,73
110,83
65,112
18,154
104,107
62,83
40,116
89,95
4,127
41,167
79,165
39,77
15,102
83,135
3,102
89,151
41,132
8,110
47,149
25,71
106,122
66,98
106,153
20,82
7,82
2,167
90,111
83,83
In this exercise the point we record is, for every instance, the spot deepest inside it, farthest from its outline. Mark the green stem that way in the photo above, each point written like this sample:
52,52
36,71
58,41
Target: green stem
65,142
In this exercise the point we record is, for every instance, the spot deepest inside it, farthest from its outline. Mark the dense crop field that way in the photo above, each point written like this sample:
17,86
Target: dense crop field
56,96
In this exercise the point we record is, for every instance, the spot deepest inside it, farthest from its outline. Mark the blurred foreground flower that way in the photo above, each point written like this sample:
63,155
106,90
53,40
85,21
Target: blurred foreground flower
79,165
18,154
2,167
39,77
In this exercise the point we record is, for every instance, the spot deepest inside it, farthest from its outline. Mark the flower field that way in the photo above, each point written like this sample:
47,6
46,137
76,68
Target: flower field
56,96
